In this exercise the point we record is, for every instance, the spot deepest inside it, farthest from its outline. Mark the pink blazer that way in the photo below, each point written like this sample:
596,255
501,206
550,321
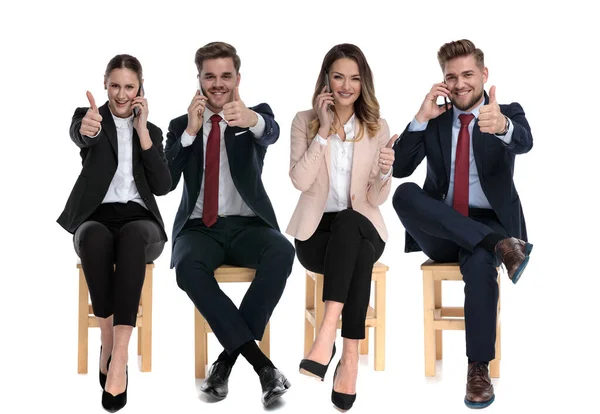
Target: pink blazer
309,171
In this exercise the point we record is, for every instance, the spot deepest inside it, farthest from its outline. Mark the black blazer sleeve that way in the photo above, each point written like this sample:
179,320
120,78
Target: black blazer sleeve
155,163
409,151
522,140
271,134
177,155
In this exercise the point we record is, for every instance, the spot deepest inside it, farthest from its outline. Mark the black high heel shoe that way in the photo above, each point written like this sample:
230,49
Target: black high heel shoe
341,400
113,403
103,376
314,369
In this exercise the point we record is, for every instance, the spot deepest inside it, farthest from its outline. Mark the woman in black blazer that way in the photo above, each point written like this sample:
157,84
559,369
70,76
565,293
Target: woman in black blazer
113,214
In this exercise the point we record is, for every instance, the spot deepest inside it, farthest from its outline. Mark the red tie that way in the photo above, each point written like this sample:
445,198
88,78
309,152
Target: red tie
461,166
211,173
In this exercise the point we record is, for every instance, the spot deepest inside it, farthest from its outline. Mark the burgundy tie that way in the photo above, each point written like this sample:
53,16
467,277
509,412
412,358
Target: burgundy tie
461,166
211,173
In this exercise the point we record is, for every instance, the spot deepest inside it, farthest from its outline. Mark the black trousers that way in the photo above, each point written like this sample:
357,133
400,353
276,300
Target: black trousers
238,241
445,235
114,245
344,249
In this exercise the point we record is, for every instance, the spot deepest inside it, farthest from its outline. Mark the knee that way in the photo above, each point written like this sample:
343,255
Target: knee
92,233
132,234
282,254
404,195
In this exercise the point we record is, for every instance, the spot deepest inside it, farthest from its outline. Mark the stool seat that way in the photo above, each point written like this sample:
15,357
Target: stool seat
223,274
438,318
87,319
315,310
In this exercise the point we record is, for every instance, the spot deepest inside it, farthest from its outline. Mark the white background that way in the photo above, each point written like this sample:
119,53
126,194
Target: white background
541,57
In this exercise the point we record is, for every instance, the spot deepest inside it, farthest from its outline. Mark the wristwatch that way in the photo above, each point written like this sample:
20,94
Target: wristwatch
505,127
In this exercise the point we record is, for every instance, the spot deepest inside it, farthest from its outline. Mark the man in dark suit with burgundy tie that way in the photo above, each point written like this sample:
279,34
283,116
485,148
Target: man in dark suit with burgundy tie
468,210
226,217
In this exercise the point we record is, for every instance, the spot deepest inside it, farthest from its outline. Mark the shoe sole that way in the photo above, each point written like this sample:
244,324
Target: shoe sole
519,272
214,395
276,395
311,374
479,405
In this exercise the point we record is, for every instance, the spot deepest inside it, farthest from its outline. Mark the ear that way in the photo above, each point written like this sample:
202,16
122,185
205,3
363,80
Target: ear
485,74
239,77
105,87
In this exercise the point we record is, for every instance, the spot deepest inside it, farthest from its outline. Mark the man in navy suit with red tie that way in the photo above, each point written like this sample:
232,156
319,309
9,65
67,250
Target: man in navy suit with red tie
226,217
468,210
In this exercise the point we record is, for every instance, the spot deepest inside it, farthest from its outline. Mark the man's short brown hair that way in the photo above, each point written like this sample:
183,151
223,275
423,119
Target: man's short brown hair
215,50
459,48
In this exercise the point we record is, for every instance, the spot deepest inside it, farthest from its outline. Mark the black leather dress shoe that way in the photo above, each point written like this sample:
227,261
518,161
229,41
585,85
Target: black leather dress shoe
216,382
274,384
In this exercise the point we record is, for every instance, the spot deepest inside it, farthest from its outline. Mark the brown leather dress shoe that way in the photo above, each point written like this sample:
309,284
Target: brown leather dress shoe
480,391
514,253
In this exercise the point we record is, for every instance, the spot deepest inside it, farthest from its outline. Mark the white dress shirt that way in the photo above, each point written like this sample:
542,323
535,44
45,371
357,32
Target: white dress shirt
340,172
477,197
122,188
230,200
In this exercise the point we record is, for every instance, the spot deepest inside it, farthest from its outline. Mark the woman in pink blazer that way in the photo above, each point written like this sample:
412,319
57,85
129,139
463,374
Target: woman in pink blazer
341,160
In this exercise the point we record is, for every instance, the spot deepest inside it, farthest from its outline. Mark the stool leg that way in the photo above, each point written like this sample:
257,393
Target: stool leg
437,286
265,343
495,364
139,347
199,344
309,330
380,316
83,324
428,326
319,304
146,331
364,343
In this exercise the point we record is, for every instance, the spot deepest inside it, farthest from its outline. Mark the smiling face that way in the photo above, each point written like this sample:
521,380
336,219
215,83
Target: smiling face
122,86
344,79
218,79
465,80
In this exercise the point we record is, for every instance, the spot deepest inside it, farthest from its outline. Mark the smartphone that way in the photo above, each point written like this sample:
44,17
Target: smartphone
136,111
200,87
327,82
446,100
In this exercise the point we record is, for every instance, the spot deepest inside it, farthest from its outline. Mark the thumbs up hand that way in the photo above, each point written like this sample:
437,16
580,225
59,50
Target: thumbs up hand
90,125
386,156
491,120
237,114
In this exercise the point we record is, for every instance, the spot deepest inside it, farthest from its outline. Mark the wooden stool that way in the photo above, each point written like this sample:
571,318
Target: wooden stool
315,309
143,323
439,318
224,274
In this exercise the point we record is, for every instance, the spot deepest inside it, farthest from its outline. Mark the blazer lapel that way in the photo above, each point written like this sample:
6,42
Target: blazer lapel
110,128
445,137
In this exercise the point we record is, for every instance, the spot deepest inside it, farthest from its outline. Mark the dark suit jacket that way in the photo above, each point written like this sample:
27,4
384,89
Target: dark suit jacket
99,160
246,156
494,159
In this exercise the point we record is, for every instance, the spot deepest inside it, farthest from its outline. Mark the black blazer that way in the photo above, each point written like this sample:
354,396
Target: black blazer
99,160
246,156
494,159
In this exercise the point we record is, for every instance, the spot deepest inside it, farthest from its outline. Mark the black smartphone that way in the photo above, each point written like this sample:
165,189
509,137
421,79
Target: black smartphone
446,100
327,82
136,111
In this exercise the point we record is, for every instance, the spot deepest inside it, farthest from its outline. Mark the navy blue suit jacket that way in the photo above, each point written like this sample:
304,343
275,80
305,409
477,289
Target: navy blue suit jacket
246,155
494,159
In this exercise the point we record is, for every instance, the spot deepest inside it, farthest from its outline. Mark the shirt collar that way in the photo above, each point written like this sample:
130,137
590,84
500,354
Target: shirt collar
208,113
456,112
122,123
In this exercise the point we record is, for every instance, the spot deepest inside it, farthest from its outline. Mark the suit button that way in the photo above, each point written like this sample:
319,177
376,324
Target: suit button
443,196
